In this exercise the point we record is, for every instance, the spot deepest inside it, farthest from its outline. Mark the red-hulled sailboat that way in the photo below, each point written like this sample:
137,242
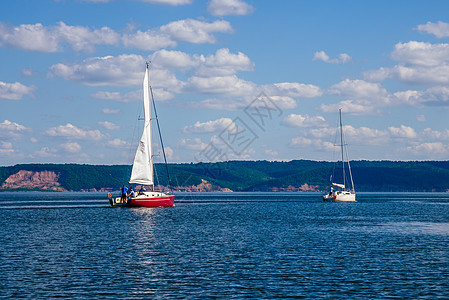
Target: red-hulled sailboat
142,171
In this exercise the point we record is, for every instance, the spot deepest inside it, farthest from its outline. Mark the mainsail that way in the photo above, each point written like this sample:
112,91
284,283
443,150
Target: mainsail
142,172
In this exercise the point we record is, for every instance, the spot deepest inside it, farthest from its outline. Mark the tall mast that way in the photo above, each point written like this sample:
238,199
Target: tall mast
160,137
342,151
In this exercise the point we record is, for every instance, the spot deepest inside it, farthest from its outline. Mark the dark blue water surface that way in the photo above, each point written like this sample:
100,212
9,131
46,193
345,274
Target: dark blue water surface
215,245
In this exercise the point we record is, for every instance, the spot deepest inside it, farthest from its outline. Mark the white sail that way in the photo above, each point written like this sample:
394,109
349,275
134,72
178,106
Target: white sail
142,172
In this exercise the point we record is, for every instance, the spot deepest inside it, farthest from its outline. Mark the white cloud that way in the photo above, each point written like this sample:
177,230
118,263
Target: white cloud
227,85
118,143
37,37
296,89
46,152
439,29
353,107
123,70
435,135
150,40
282,102
421,118
12,130
359,89
294,120
209,126
29,37
342,58
229,7
110,111
361,135
421,53
419,63
5,145
169,2
271,152
172,59
72,132
192,144
71,147
134,96
402,132
169,152
6,149
224,63
433,150
194,31
361,97
303,142
109,125
15,91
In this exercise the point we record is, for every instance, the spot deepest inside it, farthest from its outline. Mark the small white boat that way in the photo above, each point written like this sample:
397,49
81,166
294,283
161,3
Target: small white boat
340,192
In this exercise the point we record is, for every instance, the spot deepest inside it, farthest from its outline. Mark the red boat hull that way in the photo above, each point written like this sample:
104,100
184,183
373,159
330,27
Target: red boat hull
165,201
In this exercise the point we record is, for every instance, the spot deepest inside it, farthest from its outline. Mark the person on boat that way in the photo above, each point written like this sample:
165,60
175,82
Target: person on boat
131,192
331,190
124,190
142,190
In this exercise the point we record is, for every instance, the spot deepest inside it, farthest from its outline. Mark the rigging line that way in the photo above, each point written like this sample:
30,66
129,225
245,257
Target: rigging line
160,137
342,150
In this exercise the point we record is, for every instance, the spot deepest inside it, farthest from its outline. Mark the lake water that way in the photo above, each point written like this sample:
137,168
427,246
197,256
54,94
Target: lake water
215,245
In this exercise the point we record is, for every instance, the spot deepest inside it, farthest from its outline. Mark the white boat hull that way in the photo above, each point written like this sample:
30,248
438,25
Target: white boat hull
344,196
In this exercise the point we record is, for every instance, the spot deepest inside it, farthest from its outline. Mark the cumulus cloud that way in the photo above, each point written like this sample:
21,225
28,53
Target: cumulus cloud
70,131
224,63
117,143
439,29
192,144
421,53
195,31
173,60
342,58
15,91
46,152
229,7
294,120
361,97
229,85
419,63
122,70
295,89
109,125
402,132
12,130
209,126
359,89
433,150
110,111
71,147
150,40
37,37
134,96
169,2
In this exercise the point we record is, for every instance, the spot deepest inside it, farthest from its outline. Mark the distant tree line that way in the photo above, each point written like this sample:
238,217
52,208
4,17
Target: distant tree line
418,176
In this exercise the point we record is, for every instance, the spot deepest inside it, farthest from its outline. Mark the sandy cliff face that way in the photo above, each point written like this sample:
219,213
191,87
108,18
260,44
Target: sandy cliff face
44,180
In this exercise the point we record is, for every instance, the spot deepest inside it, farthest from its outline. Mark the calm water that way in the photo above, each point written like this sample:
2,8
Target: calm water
259,245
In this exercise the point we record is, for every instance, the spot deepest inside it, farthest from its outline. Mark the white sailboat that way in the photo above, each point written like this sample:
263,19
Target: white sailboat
143,165
340,192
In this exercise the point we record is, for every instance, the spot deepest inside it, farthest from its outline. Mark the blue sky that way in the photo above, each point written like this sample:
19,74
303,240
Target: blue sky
276,72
